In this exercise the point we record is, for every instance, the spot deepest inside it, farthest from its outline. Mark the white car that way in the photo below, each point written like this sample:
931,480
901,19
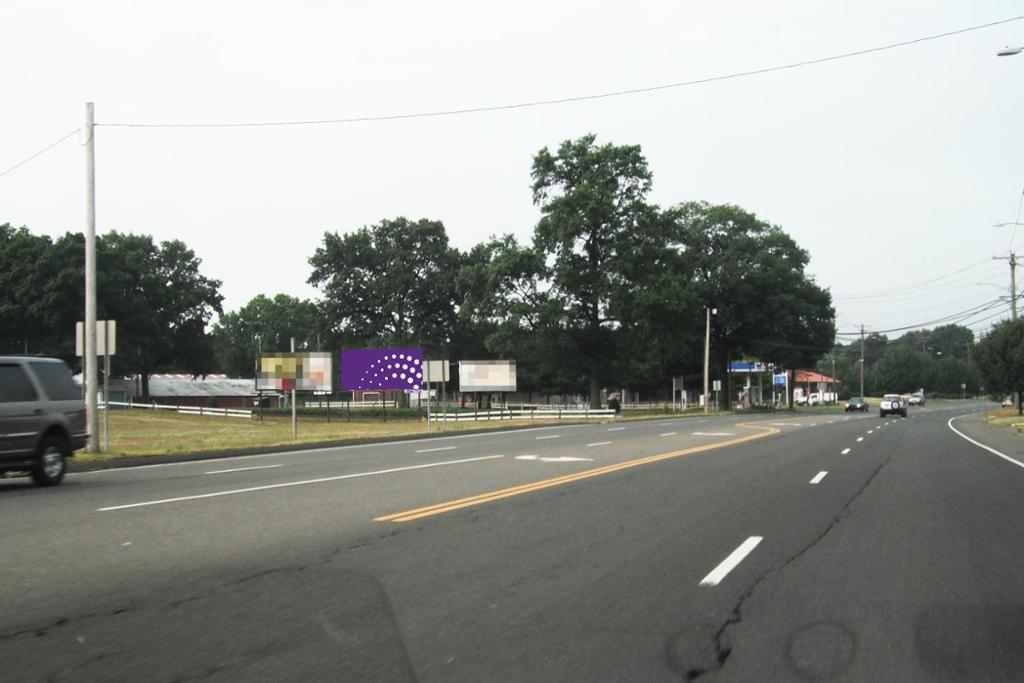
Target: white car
917,399
893,403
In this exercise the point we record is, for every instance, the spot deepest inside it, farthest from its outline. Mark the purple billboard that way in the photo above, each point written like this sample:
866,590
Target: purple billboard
376,369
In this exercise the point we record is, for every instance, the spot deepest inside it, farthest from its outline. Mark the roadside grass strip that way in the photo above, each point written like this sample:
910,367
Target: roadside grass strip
491,496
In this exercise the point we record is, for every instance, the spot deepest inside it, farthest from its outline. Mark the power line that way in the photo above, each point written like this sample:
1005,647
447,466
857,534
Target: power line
1016,221
44,149
577,98
883,292
949,319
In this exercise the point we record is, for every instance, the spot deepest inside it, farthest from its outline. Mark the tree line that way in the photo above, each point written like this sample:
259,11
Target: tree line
938,360
611,291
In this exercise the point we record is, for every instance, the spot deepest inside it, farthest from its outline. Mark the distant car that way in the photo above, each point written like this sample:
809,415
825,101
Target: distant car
917,399
857,404
1008,401
814,399
893,403
42,417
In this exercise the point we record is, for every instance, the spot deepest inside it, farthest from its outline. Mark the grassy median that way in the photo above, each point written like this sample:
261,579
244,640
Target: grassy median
1006,417
137,432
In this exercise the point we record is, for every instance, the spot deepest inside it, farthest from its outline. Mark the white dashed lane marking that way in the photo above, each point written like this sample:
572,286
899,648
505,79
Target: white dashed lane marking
730,563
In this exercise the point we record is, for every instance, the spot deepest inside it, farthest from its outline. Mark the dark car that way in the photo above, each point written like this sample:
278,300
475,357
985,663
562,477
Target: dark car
42,417
857,403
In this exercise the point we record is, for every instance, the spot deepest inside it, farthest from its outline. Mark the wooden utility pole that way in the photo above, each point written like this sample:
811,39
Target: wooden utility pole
862,361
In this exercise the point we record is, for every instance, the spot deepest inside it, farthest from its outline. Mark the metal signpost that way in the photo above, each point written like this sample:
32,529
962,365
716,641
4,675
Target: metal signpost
434,371
106,346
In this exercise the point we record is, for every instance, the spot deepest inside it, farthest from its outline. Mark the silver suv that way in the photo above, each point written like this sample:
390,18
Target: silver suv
42,417
893,403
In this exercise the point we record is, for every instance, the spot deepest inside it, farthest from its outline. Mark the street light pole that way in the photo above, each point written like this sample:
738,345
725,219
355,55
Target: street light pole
862,361
707,353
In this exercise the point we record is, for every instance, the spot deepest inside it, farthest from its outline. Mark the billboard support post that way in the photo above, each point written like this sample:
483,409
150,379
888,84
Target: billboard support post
295,420
106,385
426,381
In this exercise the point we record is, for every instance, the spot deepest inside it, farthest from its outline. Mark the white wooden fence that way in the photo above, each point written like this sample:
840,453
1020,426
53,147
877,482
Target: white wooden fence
184,410
554,413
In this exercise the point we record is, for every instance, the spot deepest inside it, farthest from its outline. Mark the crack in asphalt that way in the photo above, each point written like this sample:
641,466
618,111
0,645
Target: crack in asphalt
43,631
723,648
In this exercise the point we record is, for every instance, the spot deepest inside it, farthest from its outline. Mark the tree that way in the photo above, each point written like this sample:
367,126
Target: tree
392,283
160,300
901,370
594,220
1000,358
754,274
25,308
503,307
264,325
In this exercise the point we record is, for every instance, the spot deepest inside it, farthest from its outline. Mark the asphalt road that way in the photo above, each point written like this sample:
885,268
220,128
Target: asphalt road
809,547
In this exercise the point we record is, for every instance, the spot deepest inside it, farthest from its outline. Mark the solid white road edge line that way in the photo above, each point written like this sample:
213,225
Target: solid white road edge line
244,469
729,563
305,482
981,445
615,429
818,477
434,450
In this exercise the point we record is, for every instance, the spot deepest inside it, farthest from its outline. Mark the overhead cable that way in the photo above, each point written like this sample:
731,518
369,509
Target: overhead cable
567,100
44,149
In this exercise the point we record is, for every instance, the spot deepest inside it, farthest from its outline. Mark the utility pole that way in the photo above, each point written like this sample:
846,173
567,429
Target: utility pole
862,361
295,423
707,354
1012,260
91,370
834,394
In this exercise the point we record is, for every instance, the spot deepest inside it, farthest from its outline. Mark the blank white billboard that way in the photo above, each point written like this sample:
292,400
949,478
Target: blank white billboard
487,375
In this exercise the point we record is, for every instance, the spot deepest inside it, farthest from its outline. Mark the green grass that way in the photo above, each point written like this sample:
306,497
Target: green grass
1006,417
138,432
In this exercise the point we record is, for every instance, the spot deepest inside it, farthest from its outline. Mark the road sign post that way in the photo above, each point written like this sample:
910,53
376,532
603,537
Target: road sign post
105,345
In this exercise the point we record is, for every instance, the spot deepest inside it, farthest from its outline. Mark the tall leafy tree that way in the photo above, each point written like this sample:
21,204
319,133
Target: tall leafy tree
595,219
265,325
754,274
1000,358
161,301
23,312
392,283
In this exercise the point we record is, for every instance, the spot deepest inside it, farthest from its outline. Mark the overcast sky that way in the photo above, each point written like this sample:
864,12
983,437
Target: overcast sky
889,168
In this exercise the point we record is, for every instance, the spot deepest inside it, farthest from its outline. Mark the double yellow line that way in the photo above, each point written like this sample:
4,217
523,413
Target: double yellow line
451,505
